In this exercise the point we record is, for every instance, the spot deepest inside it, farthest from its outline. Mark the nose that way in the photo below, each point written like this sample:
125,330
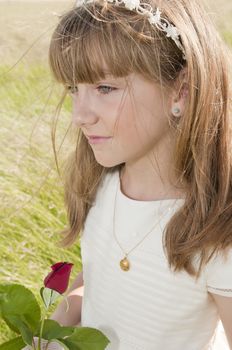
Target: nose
83,108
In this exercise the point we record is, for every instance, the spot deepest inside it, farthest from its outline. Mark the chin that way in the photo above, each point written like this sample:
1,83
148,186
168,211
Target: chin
109,163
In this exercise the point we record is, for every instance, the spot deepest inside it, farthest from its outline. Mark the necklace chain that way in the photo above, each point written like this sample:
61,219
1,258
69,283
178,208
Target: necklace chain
124,263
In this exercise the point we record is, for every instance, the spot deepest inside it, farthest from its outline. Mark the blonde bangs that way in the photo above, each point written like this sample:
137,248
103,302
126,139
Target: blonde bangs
89,38
83,45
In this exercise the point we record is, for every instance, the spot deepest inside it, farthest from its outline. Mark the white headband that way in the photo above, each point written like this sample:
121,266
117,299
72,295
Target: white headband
153,17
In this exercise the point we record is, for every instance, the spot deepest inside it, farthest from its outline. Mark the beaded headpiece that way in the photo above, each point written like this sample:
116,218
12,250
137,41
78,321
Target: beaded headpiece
154,17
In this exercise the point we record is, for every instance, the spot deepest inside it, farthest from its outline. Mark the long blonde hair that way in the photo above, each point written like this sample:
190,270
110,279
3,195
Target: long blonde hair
202,155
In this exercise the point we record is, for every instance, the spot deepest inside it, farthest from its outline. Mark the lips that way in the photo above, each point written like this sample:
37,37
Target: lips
98,139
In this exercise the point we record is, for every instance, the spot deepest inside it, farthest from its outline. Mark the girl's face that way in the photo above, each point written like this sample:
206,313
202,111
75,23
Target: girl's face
131,112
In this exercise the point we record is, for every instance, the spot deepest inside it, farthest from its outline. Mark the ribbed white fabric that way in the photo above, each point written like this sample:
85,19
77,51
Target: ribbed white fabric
148,307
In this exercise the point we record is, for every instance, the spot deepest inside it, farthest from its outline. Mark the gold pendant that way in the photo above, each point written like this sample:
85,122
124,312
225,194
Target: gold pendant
124,264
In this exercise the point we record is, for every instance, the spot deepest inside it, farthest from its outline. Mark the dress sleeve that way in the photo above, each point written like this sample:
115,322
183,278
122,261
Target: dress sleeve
219,274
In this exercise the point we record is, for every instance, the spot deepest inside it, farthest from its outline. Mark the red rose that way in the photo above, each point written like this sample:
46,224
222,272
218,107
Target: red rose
58,278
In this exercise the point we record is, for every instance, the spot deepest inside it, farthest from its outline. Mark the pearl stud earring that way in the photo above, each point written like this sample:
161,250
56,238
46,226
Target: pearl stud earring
176,111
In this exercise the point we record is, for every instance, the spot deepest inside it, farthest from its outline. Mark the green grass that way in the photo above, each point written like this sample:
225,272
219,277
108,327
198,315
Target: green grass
227,36
31,208
32,211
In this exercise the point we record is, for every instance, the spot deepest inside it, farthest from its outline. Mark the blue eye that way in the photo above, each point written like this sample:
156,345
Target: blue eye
104,89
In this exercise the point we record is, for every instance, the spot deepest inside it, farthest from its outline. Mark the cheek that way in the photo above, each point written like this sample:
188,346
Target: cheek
126,126
141,127
155,124
152,111
141,123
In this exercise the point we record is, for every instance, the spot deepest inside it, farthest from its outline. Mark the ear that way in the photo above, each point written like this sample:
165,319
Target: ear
179,94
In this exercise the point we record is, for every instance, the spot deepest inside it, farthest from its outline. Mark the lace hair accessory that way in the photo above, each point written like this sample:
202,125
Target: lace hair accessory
154,17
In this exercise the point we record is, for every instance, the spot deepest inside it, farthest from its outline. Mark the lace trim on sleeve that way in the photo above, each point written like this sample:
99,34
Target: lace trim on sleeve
222,290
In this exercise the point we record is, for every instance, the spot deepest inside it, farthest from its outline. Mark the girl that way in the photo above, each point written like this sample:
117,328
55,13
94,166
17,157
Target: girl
149,186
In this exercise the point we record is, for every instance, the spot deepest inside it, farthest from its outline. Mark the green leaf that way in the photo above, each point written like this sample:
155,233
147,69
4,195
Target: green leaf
19,303
13,344
52,330
86,338
54,296
19,323
62,344
10,325
49,296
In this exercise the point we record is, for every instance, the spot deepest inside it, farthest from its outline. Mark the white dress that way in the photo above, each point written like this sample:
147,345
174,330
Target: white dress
148,307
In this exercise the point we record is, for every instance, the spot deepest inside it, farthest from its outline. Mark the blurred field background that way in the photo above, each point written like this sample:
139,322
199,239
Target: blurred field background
31,206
